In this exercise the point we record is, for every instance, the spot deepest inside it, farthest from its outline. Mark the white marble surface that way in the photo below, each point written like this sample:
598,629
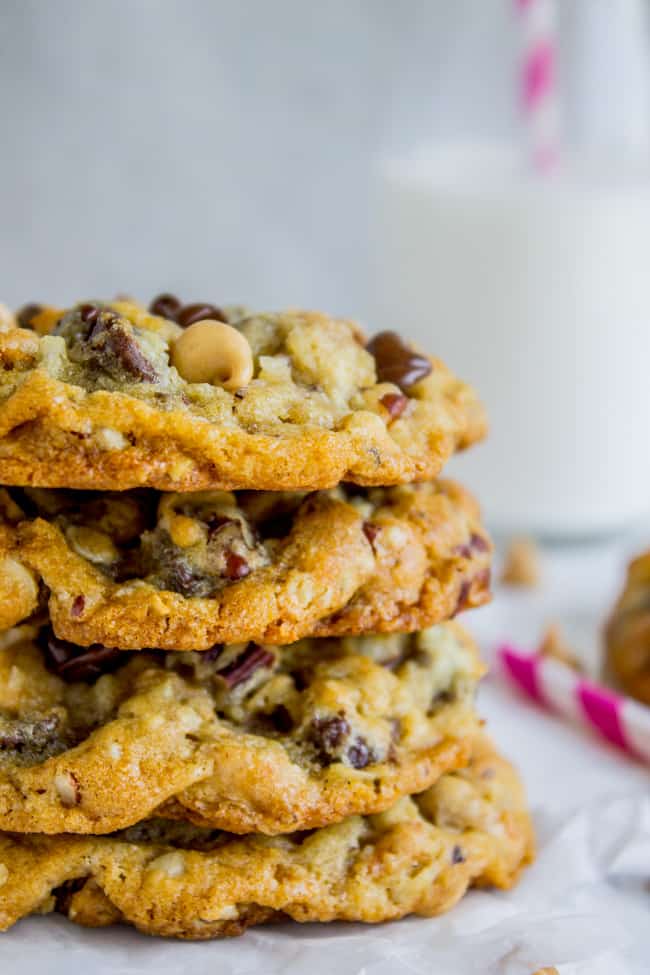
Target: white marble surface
583,906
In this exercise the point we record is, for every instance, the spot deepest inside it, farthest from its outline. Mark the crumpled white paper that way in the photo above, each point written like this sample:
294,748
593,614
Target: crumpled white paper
584,906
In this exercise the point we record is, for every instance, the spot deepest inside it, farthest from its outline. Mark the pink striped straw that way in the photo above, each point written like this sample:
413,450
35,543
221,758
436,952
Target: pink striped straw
538,81
623,722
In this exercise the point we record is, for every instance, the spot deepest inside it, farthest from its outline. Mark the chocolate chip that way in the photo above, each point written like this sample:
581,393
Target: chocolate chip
110,340
74,663
215,522
465,551
396,362
463,594
330,733
131,358
245,665
359,754
478,543
394,404
78,606
166,306
370,531
26,314
213,653
236,566
179,577
197,312
63,895
281,719
89,313
457,855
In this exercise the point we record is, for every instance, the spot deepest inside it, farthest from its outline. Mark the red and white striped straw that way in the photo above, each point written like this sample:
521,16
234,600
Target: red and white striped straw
538,81
622,721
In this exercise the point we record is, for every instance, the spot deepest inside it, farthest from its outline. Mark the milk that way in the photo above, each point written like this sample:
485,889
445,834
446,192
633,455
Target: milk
537,292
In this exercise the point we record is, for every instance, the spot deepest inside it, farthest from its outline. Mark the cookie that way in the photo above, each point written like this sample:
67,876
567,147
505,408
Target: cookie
119,397
627,634
245,738
419,857
187,571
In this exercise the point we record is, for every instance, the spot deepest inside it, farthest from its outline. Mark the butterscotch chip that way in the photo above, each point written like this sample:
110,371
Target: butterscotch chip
418,857
186,571
245,737
300,404
627,633
522,564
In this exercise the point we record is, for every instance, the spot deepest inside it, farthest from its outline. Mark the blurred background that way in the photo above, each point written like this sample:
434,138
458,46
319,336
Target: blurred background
264,152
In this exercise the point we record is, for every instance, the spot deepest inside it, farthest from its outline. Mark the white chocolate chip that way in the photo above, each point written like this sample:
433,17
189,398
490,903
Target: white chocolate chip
68,789
173,864
115,750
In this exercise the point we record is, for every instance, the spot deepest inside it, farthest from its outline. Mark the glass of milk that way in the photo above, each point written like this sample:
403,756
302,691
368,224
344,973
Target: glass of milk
538,292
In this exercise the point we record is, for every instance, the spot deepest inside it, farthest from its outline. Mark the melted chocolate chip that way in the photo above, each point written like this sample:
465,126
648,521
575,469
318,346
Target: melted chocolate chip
19,735
396,362
110,340
63,895
74,663
166,306
89,313
197,312
179,577
394,404
26,314
370,531
213,653
329,735
236,566
78,605
463,594
478,543
281,719
457,855
245,665
215,522
359,753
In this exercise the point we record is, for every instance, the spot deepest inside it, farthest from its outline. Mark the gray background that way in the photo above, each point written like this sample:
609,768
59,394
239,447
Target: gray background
221,149
225,149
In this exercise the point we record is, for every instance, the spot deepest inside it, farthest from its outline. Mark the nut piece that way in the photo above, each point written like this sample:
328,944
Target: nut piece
213,352
521,566
555,645
67,787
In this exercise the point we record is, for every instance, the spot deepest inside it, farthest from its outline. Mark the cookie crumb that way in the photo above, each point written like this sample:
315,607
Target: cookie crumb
522,563
555,645
548,970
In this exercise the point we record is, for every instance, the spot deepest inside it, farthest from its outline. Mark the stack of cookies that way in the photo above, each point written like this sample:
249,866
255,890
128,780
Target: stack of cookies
231,689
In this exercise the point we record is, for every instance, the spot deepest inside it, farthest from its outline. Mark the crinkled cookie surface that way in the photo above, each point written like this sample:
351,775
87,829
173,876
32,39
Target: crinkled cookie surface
98,404
471,828
246,737
186,571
